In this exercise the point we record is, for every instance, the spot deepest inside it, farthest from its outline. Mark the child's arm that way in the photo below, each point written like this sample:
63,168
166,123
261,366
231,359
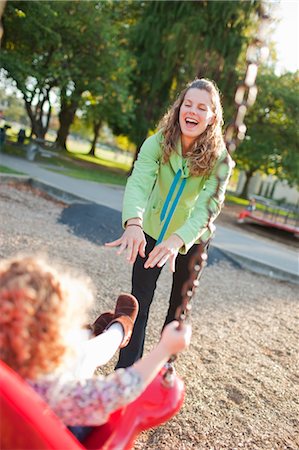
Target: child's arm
173,341
91,401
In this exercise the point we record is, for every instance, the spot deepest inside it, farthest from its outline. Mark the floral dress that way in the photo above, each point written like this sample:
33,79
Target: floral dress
89,402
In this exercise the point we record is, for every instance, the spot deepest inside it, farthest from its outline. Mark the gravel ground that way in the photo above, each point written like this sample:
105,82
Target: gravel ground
241,370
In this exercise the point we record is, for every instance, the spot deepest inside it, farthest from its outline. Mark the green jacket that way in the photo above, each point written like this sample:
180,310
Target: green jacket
198,206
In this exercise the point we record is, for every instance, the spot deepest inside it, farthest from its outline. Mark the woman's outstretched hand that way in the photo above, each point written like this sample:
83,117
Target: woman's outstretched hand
132,240
166,250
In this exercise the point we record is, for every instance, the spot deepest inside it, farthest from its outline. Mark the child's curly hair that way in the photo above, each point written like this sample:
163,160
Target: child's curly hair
38,306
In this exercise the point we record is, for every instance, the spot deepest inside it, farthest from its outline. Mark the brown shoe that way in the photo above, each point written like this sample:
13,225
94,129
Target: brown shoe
127,305
126,311
102,322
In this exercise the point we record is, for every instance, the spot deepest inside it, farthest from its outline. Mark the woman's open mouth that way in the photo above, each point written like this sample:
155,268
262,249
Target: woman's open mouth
190,123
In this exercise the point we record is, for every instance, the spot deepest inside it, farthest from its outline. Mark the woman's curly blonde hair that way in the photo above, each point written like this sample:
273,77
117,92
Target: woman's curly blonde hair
208,146
38,307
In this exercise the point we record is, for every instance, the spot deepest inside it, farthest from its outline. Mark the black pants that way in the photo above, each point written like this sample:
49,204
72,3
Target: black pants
144,283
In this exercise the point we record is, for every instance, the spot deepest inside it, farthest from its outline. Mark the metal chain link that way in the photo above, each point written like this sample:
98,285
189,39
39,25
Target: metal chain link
245,96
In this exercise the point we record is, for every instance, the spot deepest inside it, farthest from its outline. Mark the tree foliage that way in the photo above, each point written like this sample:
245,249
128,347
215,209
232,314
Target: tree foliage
122,63
110,99
29,46
271,145
74,46
175,41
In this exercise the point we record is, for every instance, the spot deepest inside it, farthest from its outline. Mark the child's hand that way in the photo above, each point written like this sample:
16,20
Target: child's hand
172,342
175,340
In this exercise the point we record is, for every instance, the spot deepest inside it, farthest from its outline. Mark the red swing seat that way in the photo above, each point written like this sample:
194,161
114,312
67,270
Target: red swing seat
28,423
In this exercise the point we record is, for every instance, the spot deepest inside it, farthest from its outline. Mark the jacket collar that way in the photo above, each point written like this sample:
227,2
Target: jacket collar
178,162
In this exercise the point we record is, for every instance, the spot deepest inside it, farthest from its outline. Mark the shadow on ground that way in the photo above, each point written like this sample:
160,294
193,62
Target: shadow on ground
100,224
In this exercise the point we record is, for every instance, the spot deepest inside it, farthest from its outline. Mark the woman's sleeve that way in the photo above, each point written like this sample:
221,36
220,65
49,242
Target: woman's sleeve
208,204
142,180
90,402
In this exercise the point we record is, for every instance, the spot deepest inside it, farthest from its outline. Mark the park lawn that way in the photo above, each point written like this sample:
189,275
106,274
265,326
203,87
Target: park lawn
109,159
233,199
104,156
4,169
85,169
14,150
99,176
88,168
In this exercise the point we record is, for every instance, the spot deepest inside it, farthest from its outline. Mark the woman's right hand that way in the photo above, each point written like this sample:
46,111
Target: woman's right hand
133,240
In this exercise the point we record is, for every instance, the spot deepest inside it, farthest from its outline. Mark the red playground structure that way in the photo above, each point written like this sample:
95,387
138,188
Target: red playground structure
268,213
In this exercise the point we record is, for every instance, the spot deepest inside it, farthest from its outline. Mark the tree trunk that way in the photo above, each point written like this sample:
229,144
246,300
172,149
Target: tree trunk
96,129
39,118
37,128
2,7
248,174
66,118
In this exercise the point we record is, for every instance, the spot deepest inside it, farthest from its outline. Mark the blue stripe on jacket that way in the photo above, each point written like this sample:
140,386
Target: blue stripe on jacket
173,206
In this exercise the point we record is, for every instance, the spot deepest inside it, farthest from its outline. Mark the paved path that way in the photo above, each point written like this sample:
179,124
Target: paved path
90,190
252,252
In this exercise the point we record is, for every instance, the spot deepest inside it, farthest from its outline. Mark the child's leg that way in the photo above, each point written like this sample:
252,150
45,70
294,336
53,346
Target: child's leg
99,350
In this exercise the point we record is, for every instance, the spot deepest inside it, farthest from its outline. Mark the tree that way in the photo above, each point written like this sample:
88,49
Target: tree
29,47
109,100
271,144
112,106
74,46
95,59
175,41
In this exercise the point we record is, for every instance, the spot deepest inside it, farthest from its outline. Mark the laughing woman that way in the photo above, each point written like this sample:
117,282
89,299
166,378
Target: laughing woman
171,199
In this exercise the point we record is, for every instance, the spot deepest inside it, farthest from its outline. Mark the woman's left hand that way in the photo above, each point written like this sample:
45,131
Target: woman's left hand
166,250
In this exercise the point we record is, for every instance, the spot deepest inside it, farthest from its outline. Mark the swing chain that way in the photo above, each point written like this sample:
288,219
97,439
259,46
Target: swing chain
245,96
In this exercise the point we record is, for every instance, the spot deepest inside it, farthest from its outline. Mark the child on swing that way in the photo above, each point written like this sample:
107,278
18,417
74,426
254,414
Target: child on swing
43,338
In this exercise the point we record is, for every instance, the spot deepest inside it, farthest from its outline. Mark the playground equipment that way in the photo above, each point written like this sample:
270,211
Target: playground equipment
28,423
268,213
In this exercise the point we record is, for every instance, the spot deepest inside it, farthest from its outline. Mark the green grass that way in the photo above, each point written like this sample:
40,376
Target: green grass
94,175
229,198
85,167
109,159
89,171
4,169
103,156
276,211
14,150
